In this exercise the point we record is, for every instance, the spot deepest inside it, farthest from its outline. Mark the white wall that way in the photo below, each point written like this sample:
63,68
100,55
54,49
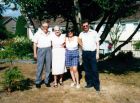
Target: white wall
129,28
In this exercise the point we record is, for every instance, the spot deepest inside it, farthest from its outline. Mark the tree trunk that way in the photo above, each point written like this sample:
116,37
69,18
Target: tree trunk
67,24
77,14
29,19
102,22
110,23
31,22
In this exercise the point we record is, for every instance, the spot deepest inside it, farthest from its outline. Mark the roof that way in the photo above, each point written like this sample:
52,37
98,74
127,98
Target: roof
6,19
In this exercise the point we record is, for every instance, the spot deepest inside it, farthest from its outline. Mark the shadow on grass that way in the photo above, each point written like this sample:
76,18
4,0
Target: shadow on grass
26,84
67,75
2,68
119,65
122,63
22,85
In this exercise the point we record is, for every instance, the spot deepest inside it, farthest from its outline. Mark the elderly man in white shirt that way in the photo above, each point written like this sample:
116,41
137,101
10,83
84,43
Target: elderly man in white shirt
43,53
90,53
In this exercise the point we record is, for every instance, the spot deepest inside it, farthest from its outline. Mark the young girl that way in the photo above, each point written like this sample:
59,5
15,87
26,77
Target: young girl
72,57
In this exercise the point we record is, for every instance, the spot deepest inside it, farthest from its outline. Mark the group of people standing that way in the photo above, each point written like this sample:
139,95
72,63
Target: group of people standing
60,52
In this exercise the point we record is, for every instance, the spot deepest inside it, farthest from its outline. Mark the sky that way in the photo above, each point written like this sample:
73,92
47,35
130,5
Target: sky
10,12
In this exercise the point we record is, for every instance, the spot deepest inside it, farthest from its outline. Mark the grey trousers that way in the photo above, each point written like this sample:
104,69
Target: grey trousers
44,57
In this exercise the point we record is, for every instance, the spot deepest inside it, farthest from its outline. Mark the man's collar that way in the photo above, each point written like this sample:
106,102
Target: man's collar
87,31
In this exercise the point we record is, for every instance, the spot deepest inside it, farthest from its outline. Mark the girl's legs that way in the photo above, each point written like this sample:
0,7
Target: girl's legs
76,75
72,76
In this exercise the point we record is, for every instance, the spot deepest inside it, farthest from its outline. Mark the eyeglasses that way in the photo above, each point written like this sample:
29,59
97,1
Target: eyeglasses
85,26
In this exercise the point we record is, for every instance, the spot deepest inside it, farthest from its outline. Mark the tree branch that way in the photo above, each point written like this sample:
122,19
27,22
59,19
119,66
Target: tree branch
102,21
125,42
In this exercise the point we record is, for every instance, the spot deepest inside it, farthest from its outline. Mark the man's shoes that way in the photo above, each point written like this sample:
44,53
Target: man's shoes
47,85
97,89
38,85
88,86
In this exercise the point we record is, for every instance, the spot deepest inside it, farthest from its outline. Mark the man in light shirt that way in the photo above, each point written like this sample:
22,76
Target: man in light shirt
42,53
90,53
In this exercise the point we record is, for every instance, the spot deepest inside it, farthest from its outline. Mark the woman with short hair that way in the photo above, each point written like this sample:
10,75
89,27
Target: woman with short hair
58,56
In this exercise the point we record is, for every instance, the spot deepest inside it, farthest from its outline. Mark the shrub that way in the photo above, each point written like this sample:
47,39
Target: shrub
4,34
12,79
137,45
124,56
20,47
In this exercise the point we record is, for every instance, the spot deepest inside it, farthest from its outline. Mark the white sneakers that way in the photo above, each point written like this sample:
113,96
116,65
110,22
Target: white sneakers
75,85
72,84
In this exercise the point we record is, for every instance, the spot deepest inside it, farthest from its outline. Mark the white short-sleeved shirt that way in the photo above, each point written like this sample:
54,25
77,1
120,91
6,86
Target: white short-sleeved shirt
43,40
89,40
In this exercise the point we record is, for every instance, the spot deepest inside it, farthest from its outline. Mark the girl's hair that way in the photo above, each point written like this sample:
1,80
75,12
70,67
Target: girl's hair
70,30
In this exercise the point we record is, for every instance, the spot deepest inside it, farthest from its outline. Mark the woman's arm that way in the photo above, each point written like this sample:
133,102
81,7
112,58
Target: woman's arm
80,42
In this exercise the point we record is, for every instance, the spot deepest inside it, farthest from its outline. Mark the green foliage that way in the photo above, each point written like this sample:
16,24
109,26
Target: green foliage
115,5
104,4
110,10
8,53
12,78
137,45
21,30
38,8
20,48
115,34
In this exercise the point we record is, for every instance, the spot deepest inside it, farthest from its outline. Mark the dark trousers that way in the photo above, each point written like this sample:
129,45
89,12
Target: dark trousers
91,71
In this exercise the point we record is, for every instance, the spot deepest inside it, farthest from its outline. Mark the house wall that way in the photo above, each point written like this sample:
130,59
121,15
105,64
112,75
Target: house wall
128,29
11,26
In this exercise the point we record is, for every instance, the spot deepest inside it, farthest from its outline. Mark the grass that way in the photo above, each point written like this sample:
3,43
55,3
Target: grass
122,88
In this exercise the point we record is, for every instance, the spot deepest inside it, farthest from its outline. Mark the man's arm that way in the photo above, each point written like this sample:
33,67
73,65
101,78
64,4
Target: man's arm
35,50
97,50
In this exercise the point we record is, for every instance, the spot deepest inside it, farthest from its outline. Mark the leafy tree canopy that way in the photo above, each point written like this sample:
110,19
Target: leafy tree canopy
108,12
